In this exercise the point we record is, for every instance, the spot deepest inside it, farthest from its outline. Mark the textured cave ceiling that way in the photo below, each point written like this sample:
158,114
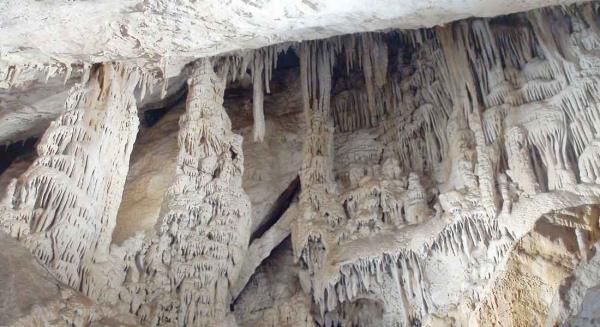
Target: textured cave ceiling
45,44
93,31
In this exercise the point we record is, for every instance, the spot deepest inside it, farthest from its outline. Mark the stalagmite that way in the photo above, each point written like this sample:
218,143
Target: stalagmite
416,207
204,227
64,206
519,161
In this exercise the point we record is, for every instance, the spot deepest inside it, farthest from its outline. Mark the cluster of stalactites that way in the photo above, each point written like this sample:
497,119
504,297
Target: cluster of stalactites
472,62
514,62
544,57
366,51
15,74
475,72
260,63
470,89
400,275
409,99
322,207
464,235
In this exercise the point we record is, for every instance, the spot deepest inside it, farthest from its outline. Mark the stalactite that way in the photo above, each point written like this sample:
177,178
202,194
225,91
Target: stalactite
14,75
589,169
374,65
411,115
257,100
261,63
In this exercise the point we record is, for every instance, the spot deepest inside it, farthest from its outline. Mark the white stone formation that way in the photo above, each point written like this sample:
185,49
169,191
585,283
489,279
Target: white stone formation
450,176
64,206
203,230
182,274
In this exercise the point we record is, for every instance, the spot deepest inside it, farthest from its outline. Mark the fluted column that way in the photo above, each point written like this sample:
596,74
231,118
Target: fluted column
64,206
204,227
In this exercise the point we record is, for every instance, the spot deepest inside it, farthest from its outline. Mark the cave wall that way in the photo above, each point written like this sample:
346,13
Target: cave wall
447,176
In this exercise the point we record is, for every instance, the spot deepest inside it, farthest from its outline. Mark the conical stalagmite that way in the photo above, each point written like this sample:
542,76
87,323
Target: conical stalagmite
204,226
64,206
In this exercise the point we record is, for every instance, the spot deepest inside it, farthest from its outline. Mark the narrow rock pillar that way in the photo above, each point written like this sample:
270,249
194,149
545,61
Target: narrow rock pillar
204,227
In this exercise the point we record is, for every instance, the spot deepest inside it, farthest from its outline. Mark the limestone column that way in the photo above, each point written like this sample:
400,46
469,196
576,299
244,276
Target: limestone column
64,206
204,227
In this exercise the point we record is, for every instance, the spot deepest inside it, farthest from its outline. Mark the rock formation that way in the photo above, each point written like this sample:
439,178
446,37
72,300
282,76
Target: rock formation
64,206
433,176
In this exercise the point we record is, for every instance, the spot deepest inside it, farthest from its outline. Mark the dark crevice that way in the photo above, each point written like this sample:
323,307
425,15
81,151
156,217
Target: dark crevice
285,244
278,209
153,113
288,59
11,152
